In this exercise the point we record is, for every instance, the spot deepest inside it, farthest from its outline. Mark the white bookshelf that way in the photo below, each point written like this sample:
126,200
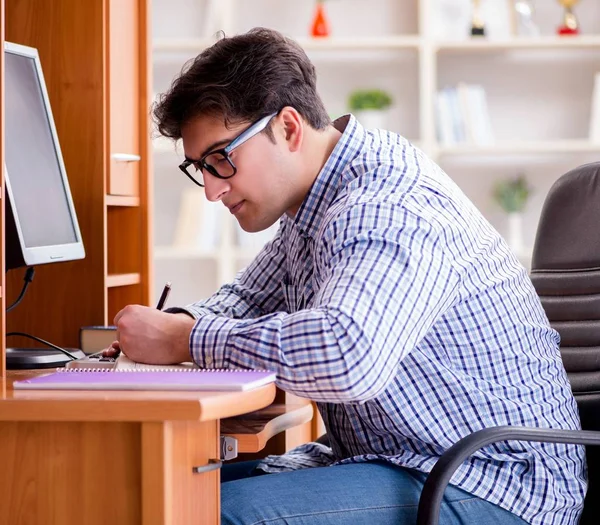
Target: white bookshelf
185,45
519,43
539,94
521,148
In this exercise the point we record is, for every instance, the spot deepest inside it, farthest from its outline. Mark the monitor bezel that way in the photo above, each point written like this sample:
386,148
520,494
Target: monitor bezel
58,252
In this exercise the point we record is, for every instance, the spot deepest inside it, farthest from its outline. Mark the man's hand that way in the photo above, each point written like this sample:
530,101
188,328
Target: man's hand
147,335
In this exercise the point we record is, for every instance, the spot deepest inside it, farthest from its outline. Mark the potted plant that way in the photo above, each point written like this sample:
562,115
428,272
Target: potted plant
370,107
511,195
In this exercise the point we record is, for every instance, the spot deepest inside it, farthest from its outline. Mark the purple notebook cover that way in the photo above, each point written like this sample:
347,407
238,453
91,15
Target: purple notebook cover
77,379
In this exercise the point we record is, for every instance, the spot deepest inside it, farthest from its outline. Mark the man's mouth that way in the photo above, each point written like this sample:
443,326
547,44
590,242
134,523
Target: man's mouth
236,207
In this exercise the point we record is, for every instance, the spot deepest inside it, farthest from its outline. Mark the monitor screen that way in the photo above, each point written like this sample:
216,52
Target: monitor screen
37,187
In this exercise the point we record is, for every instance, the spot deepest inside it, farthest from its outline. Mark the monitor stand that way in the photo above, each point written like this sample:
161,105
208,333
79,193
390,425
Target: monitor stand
28,358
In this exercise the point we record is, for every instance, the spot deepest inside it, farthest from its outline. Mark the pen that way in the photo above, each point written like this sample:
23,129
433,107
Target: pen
163,296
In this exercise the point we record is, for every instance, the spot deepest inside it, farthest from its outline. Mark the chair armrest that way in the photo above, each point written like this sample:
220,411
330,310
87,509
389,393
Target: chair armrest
439,477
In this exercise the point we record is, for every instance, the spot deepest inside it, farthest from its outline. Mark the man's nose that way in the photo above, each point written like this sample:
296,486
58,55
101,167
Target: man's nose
215,188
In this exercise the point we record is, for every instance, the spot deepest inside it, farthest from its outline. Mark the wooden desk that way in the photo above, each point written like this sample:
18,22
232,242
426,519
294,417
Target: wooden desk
83,457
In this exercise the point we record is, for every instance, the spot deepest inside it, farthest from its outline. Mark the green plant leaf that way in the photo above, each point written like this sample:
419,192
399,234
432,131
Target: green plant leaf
369,99
511,195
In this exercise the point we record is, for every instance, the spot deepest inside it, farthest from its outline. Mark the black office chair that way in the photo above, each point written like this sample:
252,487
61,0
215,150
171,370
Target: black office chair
566,274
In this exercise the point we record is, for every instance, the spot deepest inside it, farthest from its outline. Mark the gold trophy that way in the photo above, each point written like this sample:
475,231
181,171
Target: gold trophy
570,25
477,26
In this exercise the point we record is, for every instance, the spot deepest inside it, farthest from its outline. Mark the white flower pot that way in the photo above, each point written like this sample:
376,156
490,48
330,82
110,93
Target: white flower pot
372,118
515,233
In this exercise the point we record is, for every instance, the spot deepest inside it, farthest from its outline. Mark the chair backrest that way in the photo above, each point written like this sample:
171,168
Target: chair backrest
565,271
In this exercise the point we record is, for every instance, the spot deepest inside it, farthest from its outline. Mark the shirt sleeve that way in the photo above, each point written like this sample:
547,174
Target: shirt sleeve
256,290
383,280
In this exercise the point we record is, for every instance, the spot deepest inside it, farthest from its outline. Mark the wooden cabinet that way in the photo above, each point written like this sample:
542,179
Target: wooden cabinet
94,55
124,57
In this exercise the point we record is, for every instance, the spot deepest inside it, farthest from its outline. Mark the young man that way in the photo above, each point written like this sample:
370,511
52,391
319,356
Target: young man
385,296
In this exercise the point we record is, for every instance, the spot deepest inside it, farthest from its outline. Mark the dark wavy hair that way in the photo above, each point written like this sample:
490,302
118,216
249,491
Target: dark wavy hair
241,79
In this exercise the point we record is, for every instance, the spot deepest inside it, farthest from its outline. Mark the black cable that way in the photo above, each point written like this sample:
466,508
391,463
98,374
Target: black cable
28,278
40,340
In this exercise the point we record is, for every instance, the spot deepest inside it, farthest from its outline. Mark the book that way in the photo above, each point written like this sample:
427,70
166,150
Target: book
95,338
198,222
193,379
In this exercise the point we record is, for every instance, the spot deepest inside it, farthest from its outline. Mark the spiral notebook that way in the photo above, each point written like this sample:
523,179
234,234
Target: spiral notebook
148,379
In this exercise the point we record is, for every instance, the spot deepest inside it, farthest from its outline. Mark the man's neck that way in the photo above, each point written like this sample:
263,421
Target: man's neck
322,144
318,146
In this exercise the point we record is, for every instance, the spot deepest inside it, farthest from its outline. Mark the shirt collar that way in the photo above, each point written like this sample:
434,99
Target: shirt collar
332,177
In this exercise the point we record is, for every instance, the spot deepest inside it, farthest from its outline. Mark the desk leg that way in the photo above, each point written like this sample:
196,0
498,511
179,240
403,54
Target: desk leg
172,494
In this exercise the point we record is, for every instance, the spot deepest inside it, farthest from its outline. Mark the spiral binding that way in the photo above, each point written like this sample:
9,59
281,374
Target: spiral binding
138,370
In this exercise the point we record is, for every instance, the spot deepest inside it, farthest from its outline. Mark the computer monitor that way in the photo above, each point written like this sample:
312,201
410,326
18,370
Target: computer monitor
41,225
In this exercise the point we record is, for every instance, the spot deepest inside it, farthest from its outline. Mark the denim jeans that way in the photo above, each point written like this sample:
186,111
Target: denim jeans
375,493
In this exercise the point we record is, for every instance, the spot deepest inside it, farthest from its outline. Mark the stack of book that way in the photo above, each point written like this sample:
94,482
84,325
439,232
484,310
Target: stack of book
463,116
199,221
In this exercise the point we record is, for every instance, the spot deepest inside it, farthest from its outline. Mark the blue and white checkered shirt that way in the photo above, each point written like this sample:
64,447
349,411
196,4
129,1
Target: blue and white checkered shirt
395,305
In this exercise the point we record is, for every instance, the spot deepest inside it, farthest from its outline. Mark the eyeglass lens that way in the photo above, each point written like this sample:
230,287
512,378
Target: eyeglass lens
219,163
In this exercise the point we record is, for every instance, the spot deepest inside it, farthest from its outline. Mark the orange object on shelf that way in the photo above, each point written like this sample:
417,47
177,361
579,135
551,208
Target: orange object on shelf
320,24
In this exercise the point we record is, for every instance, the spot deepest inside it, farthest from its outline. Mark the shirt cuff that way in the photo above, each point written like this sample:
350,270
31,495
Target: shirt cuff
177,310
208,340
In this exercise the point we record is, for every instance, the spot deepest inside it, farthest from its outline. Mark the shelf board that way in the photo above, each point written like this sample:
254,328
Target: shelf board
360,44
253,430
122,279
521,148
544,42
122,200
195,45
176,252
176,45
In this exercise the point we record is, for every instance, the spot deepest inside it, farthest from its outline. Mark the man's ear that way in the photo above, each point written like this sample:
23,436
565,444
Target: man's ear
292,128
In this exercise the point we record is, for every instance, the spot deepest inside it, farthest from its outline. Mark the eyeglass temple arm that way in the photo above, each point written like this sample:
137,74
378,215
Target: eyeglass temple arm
250,132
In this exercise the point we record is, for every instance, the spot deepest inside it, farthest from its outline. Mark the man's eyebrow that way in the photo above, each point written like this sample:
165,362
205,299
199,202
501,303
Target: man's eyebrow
209,149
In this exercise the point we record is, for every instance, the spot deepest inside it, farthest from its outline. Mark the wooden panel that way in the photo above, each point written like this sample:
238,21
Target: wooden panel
2,250
61,474
125,231
253,430
122,279
121,296
124,87
172,494
122,200
317,424
146,172
69,37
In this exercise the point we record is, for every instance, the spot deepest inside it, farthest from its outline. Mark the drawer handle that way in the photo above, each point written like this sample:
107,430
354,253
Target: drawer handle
213,464
126,157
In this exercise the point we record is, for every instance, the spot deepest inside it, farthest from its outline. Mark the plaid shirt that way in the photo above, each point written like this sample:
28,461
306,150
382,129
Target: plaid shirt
395,305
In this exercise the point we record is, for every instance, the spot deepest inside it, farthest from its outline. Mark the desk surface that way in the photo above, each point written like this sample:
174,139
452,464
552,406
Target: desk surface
97,405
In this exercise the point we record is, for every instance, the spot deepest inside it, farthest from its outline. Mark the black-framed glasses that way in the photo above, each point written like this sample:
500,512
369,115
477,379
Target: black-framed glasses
218,162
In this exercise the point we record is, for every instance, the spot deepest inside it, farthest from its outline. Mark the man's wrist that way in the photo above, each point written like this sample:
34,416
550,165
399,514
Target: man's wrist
181,337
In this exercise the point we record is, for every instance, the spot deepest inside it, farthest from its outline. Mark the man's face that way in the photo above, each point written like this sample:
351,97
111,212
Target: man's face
264,186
